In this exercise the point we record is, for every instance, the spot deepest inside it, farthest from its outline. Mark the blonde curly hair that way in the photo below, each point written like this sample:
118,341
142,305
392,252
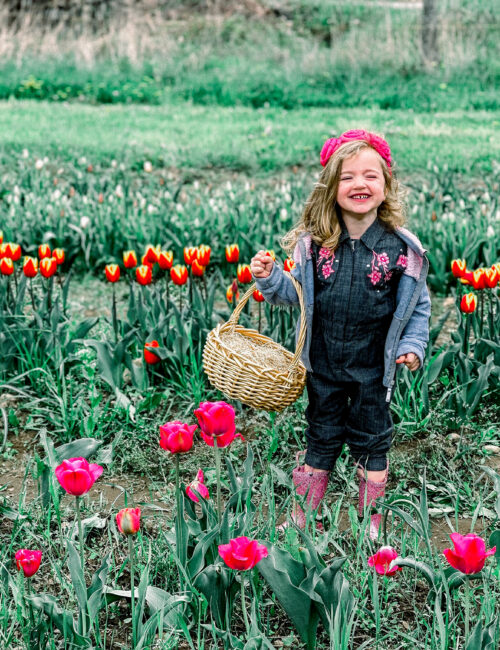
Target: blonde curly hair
320,215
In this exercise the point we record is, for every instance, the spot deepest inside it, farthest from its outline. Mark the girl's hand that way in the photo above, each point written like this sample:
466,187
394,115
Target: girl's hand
410,360
261,265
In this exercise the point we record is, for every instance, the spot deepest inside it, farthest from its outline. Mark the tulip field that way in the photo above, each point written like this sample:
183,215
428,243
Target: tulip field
140,506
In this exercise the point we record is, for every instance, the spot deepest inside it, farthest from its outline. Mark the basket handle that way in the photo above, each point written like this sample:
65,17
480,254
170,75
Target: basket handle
233,320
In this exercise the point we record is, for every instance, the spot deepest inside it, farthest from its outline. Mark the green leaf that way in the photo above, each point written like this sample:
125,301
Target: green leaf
60,618
483,638
422,567
96,589
77,579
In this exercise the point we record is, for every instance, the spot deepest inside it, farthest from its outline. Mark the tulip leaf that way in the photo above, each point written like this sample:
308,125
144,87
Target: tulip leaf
495,541
77,578
83,447
219,587
196,563
495,477
60,618
428,573
483,637
457,578
96,521
96,589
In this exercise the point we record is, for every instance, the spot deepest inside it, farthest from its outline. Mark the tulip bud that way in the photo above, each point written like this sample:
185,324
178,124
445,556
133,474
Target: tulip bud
289,265
30,267
244,273
458,268
48,267
149,357
492,277
197,269
29,561
468,303
479,279
232,253
144,275
128,521
151,254
112,272
165,260
129,259
179,274
59,255
257,296
204,255
190,254
13,251
44,251
271,253
6,266
232,292
199,486
177,436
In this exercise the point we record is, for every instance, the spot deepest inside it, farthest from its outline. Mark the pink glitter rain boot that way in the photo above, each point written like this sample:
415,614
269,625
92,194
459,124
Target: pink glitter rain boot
312,484
369,491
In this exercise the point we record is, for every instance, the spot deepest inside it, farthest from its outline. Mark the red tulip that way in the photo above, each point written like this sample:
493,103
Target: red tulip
468,303
177,436
217,419
59,255
257,296
197,269
232,292
204,255
232,253
478,280
165,260
144,274
469,554
6,266
48,267
151,254
244,273
150,357
44,251
129,259
242,553
199,485
458,268
13,251
382,559
30,267
28,561
179,274
288,264
492,277
3,250
77,476
190,254
128,521
271,253
112,272
145,262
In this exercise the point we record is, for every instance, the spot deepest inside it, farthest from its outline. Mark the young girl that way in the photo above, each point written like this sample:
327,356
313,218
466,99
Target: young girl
367,306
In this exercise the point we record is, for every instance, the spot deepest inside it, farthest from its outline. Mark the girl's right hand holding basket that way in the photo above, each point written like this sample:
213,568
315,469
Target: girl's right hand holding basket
261,265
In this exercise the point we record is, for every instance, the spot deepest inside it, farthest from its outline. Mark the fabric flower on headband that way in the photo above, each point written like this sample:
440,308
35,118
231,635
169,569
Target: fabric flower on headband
375,141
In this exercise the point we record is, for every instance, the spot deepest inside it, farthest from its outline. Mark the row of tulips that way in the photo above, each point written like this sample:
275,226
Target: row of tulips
482,278
47,262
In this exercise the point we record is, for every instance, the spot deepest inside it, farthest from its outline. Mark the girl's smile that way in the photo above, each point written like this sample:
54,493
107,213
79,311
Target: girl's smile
362,185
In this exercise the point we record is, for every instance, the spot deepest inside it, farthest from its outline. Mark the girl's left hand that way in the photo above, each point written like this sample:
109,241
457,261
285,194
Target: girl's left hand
410,360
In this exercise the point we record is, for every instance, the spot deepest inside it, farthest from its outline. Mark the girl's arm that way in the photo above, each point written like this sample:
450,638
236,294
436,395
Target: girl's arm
416,333
277,288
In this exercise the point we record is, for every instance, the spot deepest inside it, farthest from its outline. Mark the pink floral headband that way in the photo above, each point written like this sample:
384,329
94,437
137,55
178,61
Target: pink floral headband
375,141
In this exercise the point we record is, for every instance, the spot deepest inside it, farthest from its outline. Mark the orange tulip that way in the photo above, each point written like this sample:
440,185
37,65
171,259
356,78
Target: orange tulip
232,292
232,253
492,276
151,254
244,273
143,274
165,260
468,303
6,266
129,259
197,269
204,255
190,254
48,267
150,357
59,255
257,296
13,251
479,279
288,264
179,274
458,268
112,272
44,251
30,267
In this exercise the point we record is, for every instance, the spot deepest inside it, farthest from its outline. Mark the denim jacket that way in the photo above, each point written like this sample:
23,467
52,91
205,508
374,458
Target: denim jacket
409,329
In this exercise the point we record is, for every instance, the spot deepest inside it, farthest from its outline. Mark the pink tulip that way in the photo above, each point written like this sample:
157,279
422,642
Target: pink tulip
242,553
223,440
199,485
215,418
382,559
469,554
28,561
77,476
128,520
176,436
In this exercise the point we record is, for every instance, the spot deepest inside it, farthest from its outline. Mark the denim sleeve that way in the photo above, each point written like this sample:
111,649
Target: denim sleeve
416,333
277,289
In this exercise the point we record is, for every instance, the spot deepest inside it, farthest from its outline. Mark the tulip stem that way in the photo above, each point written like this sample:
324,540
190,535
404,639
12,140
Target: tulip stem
243,604
115,320
467,607
467,333
82,559
481,307
166,291
132,587
31,294
217,473
260,315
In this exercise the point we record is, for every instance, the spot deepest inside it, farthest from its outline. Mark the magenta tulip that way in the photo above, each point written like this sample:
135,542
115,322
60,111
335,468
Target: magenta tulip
199,485
216,418
77,476
128,520
28,561
223,440
176,436
382,559
469,554
242,553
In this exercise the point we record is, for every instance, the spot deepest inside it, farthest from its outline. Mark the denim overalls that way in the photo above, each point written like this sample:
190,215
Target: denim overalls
355,294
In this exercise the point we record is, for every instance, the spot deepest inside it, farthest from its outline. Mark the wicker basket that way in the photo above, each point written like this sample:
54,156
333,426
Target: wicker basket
240,375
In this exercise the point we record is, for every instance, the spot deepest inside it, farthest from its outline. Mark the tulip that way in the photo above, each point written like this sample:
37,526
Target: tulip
177,437
29,561
13,251
144,274
458,268
233,253
242,553
44,251
215,418
1,237
469,553
288,265
224,440
3,250
112,272
496,266
145,262
179,274
165,260
468,303
199,485
151,254
271,253
77,476
190,254
30,267
6,266
197,269
128,521
244,273
59,255
478,280
129,259
204,255
382,559
257,296
232,292
48,267
150,357
492,277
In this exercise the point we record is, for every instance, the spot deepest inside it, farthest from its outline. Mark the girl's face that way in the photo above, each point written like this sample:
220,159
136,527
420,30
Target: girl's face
362,185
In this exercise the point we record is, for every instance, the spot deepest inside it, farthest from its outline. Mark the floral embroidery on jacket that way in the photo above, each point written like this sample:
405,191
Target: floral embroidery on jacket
325,262
402,261
380,267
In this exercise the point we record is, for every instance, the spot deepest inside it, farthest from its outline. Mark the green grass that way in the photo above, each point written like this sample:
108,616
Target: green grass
187,136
